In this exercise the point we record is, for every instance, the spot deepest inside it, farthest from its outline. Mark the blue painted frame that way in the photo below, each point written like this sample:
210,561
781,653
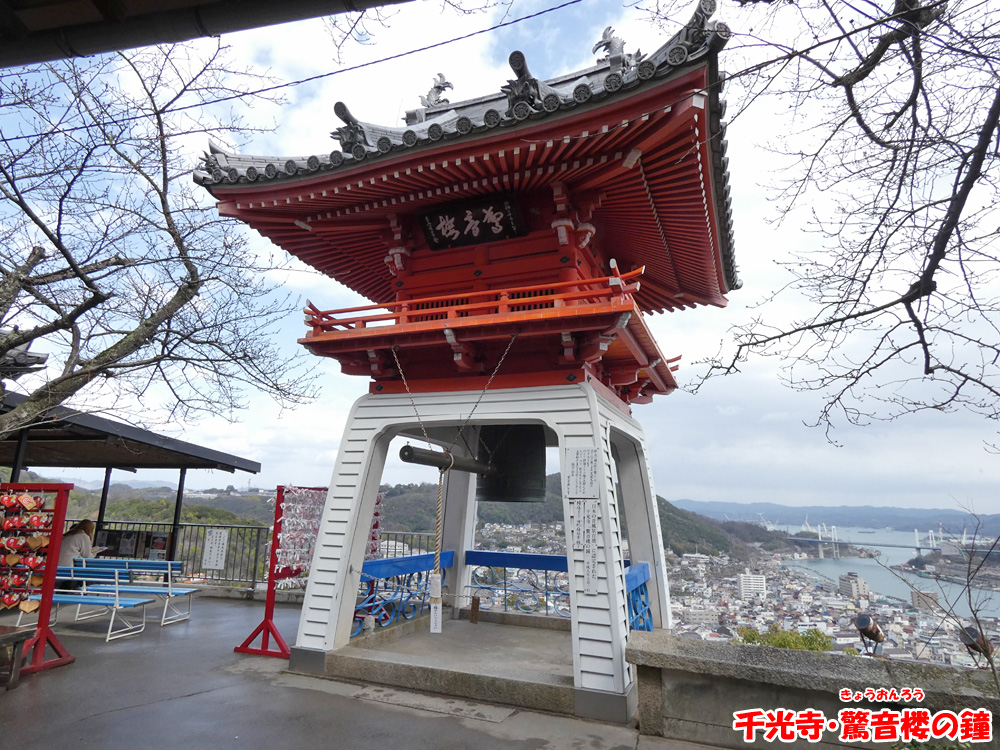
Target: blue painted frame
640,617
396,587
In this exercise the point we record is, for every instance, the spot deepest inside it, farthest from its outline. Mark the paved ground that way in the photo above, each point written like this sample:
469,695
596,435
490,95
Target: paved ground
183,688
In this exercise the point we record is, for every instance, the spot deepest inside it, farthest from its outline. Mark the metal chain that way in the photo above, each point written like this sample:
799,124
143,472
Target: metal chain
486,387
413,403
439,515
491,453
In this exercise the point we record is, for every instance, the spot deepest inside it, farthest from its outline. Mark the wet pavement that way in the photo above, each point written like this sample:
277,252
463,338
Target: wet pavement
182,687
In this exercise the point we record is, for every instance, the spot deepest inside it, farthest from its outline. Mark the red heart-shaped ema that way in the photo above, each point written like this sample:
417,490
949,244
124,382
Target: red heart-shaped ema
12,522
10,599
38,520
16,579
8,501
33,561
13,543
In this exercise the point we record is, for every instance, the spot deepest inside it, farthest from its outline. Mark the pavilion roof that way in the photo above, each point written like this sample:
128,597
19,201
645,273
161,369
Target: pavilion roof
639,141
74,439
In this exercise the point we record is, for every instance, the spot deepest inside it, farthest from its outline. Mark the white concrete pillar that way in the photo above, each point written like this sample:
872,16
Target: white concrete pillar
579,416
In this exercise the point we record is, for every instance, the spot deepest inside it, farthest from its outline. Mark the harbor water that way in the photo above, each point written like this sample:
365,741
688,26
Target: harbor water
883,580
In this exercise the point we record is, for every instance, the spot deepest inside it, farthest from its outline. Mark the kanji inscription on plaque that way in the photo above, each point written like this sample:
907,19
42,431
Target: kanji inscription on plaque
582,465
586,528
213,557
473,222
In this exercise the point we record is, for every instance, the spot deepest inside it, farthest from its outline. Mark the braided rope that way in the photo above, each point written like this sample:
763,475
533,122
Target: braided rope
439,514
439,517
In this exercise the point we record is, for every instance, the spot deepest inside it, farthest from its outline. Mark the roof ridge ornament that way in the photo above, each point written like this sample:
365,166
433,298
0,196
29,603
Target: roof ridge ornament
618,60
351,136
434,98
526,94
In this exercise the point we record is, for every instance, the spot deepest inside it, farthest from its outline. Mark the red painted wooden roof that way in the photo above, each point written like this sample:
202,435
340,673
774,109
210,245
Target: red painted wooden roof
662,210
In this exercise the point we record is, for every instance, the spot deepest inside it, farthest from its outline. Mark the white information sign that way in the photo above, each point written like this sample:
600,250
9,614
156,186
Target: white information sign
591,527
216,544
590,573
582,472
579,521
436,618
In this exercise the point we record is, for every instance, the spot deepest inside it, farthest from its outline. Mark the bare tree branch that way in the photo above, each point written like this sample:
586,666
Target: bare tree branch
119,267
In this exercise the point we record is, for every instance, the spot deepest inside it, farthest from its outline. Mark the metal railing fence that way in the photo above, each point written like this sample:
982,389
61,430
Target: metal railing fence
245,559
506,580
405,543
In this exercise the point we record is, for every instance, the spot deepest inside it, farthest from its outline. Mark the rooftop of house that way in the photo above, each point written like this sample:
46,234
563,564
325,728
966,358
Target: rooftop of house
33,31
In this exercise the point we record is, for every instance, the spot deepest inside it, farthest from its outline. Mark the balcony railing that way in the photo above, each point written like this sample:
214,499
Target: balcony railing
639,615
397,588
511,580
594,291
520,582
403,543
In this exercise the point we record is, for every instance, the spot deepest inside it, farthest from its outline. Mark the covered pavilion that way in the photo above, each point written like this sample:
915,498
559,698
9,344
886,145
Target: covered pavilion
74,439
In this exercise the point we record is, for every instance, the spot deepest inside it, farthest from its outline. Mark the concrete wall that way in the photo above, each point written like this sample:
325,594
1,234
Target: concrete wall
689,690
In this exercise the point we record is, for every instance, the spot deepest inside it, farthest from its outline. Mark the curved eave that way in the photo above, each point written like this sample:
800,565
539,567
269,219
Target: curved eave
338,221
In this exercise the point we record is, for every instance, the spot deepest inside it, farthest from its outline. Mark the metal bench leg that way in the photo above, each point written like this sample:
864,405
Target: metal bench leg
53,616
90,614
17,654
129,627
172,613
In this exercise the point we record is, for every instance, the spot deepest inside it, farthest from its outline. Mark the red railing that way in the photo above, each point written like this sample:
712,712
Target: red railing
473,304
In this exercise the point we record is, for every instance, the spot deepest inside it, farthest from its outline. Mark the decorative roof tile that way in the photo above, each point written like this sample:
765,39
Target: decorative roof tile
523,102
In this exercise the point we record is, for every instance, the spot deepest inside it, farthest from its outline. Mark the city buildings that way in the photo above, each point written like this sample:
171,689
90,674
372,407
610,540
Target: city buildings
926,600
853,586
752,585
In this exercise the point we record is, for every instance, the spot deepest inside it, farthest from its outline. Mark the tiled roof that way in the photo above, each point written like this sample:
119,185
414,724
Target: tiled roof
524,102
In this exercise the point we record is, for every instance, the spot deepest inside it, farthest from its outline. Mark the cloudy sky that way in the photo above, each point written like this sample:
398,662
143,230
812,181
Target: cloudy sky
744,438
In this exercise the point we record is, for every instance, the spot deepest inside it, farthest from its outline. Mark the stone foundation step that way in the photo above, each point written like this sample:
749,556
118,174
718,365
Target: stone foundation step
526,667
539,691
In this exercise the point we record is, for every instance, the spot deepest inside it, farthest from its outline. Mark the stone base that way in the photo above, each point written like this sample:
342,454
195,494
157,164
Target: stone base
606,707
512,659
689,690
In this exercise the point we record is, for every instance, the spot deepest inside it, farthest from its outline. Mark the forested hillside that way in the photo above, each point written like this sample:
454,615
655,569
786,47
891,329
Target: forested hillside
411,507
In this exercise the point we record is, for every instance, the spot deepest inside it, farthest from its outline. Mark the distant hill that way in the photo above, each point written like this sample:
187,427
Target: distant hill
412,508
902,519
685,531
253,507
687,526
162,511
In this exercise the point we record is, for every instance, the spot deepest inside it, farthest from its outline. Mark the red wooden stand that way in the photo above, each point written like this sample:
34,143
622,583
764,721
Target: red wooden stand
267,629
35,648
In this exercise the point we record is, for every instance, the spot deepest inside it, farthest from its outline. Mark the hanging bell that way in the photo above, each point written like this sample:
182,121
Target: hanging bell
518,454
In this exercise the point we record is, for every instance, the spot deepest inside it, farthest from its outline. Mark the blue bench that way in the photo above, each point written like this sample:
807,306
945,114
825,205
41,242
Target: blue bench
99,603
169,593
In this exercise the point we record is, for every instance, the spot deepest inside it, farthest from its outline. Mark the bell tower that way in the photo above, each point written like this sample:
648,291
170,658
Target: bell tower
513,247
